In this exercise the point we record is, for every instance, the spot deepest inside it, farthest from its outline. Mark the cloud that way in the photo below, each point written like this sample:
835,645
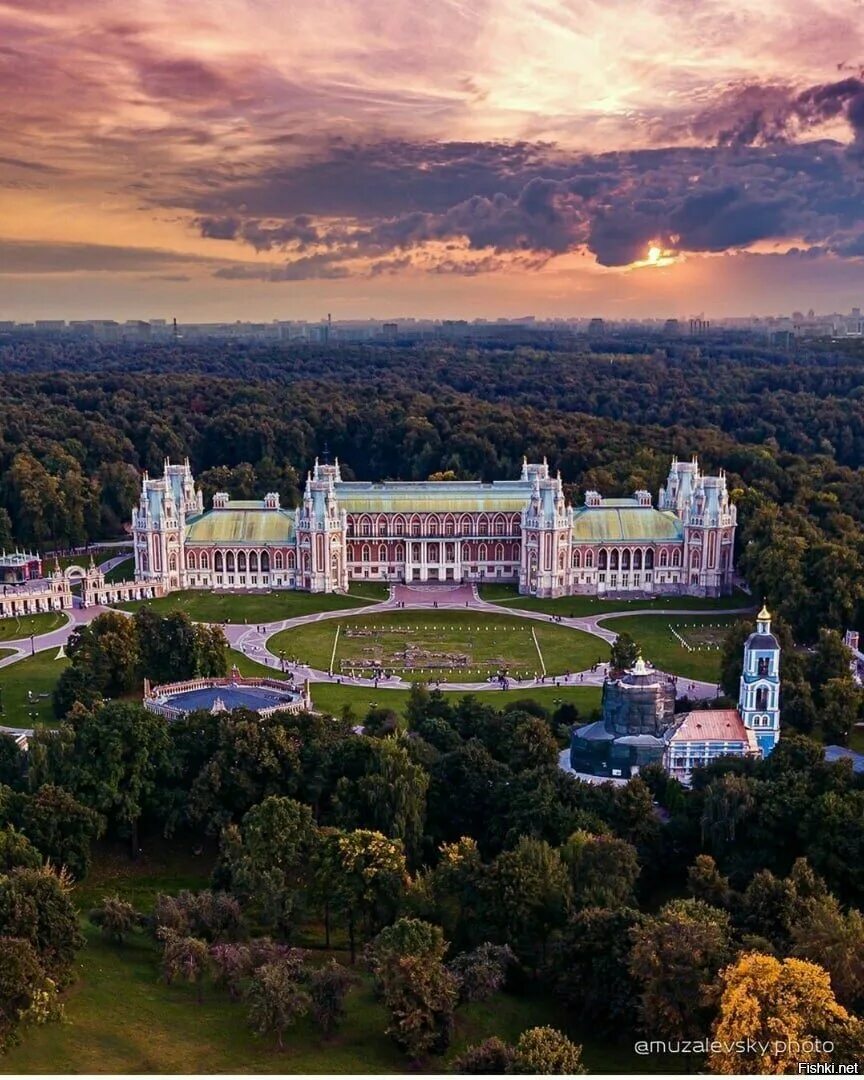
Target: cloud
48,257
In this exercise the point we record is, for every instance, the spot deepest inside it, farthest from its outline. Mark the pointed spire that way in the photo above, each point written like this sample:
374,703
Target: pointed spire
764,615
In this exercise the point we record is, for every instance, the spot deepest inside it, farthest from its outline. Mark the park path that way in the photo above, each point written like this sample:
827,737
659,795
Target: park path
253,641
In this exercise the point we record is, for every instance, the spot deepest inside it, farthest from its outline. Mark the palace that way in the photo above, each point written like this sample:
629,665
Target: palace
521,531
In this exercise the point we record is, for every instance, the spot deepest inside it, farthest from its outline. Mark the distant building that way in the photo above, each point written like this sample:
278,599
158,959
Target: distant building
638,725
672,327
19,566
596,328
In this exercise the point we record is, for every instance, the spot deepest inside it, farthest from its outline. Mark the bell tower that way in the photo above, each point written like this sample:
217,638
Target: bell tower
759,694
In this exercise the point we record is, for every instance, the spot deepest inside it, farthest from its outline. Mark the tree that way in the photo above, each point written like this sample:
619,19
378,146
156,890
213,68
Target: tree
530,890
276,1000
328,988
61,827
457,889
107,651
116,918
706,883
405,937
544,1051
481,972
116,763
526,742
841,706
267,856
11,761
477,776
230,964
727,803
675,958
16,850
420,995
35,906
624,652
831,659
833,939
603,870
184,959
370,880
590,968
767,907
389,796
492,1057
26,994
764,1000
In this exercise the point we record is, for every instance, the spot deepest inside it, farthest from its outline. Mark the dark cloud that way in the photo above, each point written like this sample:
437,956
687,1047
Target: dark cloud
48,257
311,267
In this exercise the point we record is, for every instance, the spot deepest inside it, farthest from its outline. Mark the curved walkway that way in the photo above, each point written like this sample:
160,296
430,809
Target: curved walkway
253,641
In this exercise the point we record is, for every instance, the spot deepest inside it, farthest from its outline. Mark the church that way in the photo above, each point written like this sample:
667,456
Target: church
521,531
639,726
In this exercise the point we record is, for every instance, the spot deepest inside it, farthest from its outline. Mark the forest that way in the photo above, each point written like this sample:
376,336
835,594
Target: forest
79,421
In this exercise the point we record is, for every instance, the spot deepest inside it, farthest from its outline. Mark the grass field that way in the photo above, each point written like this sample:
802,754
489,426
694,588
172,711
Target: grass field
204,606
665,651
331,698
578,607
454,646
36,674
122,571
25,625
120,1017
6,652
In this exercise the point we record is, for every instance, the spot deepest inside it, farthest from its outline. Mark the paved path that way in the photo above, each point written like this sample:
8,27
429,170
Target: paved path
253,641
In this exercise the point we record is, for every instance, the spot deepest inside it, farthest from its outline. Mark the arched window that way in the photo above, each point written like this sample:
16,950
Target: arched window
205,561
172,561
241,561
349,528
290,560
482,555
613,560
218,562
365,527
483,525
561,560
306,562
466,526
400,553
603,561
433,527
694,560
449,525
382,526
499,553
762,666
278,560
762,698
144,561
191,561
664,557
577,558
466,553
649,559
399,526
364,556
637,560
415,526
229,561
676,557
253,561
499,525
265,562
625,560
589,560
382,554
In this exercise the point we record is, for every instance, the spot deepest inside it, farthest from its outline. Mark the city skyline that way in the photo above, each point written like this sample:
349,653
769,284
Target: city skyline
237,160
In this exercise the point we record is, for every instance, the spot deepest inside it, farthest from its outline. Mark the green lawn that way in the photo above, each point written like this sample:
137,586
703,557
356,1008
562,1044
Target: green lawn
37,674
6,652
331,697
581,606
123,571
662,648
120,1017
25,625
454,646
204,606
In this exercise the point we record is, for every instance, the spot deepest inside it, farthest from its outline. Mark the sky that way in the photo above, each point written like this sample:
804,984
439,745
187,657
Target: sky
260,159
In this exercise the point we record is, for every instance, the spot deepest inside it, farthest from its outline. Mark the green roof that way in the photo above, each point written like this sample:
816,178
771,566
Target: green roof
241,526
434,496
611,523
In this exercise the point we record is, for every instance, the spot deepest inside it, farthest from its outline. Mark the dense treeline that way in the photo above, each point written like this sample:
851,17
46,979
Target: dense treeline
78,421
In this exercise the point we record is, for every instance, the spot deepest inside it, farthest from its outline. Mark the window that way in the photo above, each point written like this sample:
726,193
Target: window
589,560
649,560
625,560
382,554
602,562
664,557
191,561
205,561
229,561
241,561
763,666
253,561
637,560
278,560
365,527
613,561
218,563
676,557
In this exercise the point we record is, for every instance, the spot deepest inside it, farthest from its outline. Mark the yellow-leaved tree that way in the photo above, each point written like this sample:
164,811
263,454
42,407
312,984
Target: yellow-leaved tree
779,1013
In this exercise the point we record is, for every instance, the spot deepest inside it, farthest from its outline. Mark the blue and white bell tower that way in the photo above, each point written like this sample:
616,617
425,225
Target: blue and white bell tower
759,695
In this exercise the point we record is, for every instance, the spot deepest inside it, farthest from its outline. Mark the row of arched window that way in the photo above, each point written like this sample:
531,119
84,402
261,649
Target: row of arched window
240,561
371,553
433,525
